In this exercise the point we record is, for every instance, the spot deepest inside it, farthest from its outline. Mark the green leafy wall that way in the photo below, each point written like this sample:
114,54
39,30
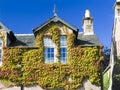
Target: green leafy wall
106,80
26,65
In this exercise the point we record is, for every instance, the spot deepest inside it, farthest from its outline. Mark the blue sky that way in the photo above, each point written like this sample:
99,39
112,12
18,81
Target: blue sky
21,16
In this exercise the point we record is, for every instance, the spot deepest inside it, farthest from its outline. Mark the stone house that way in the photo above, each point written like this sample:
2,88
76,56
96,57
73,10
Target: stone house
56,56
113,69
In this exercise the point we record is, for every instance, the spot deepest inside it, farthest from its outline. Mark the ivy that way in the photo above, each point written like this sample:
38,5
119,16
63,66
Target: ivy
26,65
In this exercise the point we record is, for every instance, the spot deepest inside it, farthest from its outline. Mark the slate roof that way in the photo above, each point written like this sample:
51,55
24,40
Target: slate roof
88,40
55,19
26,40
10,34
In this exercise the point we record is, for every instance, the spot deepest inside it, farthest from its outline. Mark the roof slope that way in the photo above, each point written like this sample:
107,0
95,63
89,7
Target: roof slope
55,19
26,40
88,40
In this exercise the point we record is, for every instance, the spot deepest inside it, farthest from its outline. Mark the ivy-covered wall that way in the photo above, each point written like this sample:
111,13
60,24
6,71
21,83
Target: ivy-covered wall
26,65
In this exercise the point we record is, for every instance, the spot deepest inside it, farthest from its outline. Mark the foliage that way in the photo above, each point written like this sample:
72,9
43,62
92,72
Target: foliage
106,80
117,77
11,67
118,57
7,83
26,65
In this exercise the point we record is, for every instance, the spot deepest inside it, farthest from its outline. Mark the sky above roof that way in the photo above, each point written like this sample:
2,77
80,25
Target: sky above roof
21,16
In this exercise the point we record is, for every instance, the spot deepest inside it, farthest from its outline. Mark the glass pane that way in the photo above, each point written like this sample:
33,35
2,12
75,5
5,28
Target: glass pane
64,49
49,55
52,49
52,55
63,41
48,50
48,42
63,55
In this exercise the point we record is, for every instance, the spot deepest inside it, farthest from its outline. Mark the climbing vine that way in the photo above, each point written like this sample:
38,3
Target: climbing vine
26,65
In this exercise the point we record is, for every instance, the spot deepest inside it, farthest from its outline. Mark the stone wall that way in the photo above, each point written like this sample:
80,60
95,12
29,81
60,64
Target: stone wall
86,86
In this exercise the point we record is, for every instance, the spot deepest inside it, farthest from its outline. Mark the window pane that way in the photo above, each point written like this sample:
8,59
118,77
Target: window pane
48,55
63,55
52,55
48,42
48,49
52,49
63,41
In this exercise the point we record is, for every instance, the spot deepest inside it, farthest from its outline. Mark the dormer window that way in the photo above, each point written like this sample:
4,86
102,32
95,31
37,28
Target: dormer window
50,50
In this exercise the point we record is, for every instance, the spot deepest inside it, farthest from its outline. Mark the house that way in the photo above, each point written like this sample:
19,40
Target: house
113,70
56,56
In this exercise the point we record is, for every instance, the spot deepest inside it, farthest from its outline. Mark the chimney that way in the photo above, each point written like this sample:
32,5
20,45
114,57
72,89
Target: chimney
88,23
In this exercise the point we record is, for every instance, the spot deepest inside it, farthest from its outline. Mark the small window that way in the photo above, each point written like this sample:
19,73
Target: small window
63,55
63,42
63,49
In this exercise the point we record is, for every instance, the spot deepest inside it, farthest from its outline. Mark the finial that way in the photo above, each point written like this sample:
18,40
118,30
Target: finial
87,13
55,11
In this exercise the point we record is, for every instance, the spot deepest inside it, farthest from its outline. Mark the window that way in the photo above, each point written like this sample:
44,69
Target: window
63,49
0,51
49,50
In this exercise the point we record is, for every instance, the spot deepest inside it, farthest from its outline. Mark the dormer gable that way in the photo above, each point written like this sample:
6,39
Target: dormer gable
59,22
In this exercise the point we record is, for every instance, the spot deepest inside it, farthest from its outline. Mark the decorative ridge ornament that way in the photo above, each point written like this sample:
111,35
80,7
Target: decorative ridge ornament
55,11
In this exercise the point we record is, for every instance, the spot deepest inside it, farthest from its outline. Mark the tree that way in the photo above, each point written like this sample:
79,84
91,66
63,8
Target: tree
106,52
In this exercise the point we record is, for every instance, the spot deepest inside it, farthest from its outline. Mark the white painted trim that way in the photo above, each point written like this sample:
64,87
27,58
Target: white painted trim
23,34
91,33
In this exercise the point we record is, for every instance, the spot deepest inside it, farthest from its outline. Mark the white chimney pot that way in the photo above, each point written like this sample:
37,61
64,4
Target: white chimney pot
87,13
